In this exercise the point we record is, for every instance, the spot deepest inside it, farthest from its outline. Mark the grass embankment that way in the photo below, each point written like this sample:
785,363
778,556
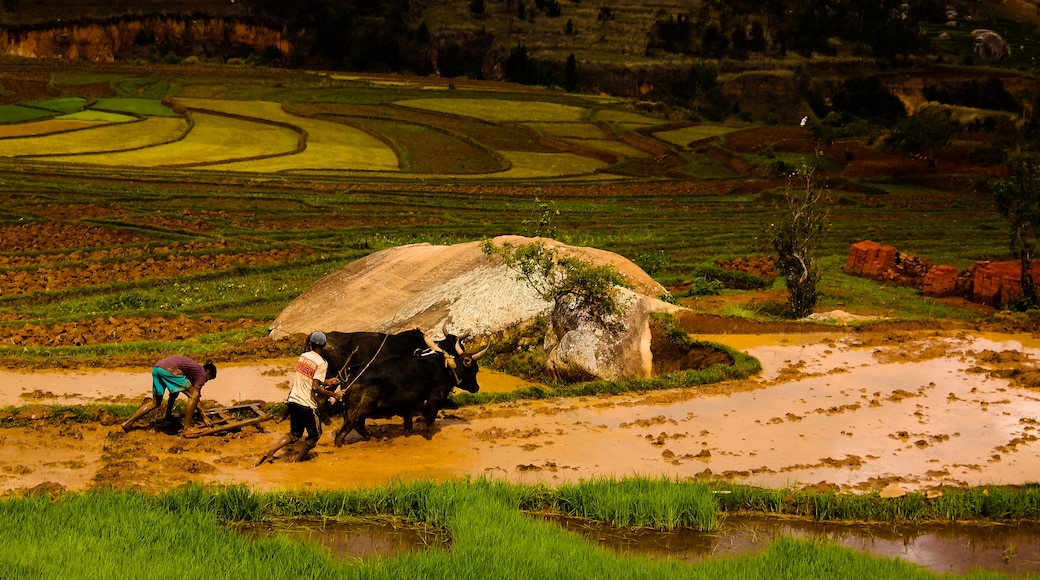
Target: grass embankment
103,534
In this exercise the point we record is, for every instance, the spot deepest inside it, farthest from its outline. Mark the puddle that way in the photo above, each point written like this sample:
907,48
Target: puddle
265,381
362,539
955,549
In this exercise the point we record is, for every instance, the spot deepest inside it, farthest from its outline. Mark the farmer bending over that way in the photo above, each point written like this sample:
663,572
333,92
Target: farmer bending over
308,381
176,374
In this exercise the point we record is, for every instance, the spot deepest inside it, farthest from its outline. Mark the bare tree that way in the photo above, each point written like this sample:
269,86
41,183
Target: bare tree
796,239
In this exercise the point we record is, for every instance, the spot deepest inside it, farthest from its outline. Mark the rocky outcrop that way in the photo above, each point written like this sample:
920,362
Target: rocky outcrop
112,40
583,347
460,288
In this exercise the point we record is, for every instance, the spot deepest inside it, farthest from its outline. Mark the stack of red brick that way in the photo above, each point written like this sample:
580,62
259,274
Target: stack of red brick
876,261
869,259
940,282
993,283
999,283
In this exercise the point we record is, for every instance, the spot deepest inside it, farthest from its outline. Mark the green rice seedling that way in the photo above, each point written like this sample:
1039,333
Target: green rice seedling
81,533
661,504
734,498
957,505
238,503
1002,503
107,533
790,558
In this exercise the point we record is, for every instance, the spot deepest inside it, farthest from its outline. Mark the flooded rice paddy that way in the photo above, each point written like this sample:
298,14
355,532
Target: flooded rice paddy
941,548
956,549
841,411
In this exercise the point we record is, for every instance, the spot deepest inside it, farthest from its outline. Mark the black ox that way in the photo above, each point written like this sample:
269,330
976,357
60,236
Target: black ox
347,350
398,375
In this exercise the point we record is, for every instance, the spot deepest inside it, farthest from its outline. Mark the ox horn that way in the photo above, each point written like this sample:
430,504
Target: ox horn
460,345
480,354
432,345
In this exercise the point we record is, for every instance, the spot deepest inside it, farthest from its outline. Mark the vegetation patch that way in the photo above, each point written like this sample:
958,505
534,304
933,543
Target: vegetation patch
149,132
62,105
134,106
20,114
501,111
687,135
102,116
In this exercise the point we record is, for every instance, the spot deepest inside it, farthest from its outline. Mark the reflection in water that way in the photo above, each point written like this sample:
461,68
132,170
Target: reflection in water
355,539
954,548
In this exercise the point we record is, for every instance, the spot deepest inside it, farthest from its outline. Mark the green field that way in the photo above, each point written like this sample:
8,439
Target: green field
261,186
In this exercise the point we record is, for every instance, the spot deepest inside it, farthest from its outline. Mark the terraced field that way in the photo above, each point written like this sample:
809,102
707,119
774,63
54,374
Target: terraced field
156,195
402,137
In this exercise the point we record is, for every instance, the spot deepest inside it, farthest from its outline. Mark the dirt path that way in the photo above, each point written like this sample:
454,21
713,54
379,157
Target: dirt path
837,410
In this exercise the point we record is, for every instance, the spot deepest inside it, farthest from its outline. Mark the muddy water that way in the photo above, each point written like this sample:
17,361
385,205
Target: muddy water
266,381
953,549
350,540
849,411
956,549
852,412
923,411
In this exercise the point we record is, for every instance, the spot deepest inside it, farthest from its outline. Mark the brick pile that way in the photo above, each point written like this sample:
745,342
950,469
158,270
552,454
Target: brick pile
999,283
940,282
869,259
993,283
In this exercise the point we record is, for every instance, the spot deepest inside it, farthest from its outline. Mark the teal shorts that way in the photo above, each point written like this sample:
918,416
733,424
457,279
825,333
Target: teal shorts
163,380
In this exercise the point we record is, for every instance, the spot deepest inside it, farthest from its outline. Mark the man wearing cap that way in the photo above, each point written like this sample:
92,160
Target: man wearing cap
308,381
176,374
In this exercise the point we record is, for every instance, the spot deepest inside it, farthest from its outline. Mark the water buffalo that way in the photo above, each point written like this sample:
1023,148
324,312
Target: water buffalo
359,349
404,385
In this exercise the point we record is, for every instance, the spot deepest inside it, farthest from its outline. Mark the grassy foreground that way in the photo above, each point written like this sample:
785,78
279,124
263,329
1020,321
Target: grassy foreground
110,534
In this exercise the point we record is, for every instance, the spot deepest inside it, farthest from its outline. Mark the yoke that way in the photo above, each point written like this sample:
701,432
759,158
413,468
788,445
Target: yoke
229,418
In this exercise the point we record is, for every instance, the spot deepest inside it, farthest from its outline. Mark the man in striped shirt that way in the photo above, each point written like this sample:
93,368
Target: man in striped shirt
176,374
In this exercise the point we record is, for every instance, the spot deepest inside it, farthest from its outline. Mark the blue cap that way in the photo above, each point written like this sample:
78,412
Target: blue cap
317,338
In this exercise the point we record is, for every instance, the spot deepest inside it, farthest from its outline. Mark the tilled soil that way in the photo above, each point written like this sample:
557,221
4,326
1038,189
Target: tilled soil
843,409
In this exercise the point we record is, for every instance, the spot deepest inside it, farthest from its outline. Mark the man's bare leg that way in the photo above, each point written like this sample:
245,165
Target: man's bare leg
285,440
194,395
169,404
148,406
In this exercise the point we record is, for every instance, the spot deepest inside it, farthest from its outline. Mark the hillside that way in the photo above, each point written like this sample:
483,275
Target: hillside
533,41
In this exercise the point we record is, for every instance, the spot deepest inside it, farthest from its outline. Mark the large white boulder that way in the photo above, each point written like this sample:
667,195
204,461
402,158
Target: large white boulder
458,287
582,347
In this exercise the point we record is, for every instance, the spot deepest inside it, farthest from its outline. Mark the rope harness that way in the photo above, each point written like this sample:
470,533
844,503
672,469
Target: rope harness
342,376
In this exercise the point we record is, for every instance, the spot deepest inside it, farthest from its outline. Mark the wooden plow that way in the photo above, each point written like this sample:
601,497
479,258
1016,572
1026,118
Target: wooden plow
224,419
